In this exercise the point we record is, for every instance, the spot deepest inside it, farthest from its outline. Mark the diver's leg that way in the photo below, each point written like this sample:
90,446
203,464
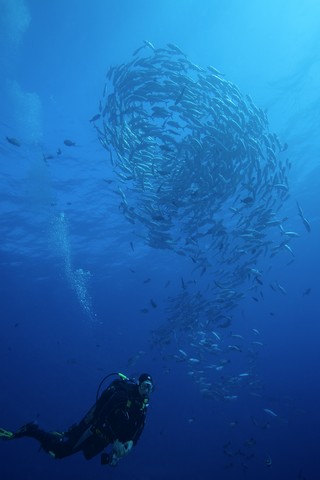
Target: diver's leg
59,445
54,443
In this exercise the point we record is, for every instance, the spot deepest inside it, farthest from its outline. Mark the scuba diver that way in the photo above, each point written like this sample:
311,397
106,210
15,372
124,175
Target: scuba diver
117,418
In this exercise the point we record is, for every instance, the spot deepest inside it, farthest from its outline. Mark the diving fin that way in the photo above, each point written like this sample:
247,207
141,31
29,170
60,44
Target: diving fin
6,435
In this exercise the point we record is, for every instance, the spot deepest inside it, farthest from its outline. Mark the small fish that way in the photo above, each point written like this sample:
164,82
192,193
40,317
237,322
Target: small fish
147,280
247,200
289,249
281,186
95,117
306,224
203,271
138,50
47,157
194,360
69,143
254,421
216,335
153,303
234,347
272,287
13,141
183,353
291,234
303,218
179,97
174,47
233,423
268,461
236,335
270,412
300,212
250,442
306,292
132,247
256,331
255,272
149,44
282,289
144,310
215,70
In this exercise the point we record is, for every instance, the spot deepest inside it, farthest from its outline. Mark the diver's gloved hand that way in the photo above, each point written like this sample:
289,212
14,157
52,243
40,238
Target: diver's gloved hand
128,445
120,450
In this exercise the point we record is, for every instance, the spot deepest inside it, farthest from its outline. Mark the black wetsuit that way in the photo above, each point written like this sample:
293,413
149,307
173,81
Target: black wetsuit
119,413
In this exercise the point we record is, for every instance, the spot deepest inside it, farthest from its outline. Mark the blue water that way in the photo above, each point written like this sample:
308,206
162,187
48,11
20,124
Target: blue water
73,288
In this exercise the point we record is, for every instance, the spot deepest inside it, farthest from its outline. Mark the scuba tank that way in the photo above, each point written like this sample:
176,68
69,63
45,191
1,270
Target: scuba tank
120,375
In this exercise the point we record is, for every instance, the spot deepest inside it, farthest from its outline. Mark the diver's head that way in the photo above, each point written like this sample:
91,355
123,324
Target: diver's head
145,385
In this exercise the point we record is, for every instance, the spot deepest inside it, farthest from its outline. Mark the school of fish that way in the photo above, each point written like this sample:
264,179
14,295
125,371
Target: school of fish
199,173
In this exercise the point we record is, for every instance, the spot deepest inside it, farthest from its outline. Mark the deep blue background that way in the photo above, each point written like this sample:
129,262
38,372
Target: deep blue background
53,60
